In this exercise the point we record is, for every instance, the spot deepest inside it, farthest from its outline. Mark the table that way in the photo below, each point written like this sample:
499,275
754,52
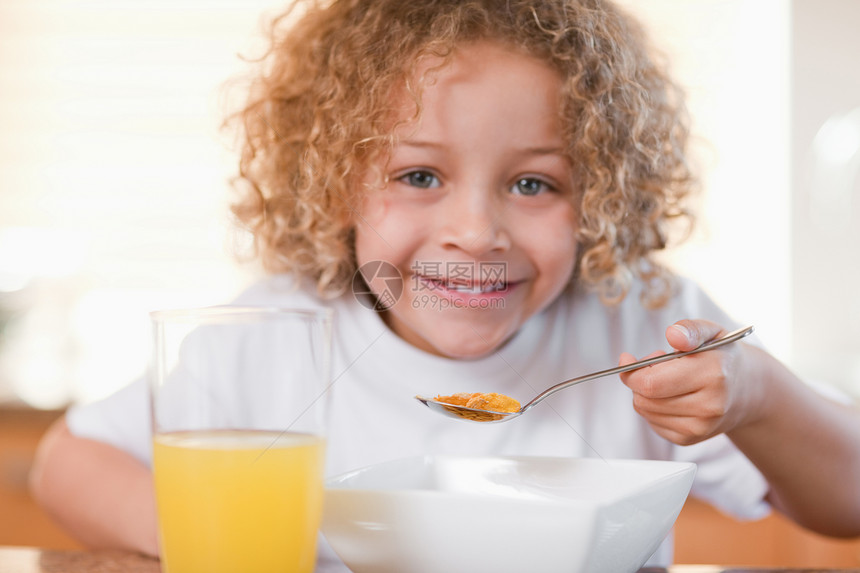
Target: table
33,560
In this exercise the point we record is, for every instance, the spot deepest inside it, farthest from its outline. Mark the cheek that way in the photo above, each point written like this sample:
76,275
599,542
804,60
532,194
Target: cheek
367,244
559,265
558,259
386,231
371,221
372,209
554,240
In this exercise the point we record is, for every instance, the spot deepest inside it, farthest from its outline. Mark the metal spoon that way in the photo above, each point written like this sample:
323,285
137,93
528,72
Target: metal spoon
476,415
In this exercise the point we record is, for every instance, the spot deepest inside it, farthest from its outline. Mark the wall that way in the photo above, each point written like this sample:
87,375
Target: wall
826,189
732,58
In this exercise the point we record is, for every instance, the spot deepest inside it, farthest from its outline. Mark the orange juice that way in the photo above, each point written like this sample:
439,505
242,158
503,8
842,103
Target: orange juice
231,500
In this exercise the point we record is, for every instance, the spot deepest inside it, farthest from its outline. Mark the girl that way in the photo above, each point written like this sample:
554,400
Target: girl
498,175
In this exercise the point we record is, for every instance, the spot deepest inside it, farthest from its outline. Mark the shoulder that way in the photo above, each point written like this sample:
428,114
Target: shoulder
281,290
691,298
687,299
630,326
289,292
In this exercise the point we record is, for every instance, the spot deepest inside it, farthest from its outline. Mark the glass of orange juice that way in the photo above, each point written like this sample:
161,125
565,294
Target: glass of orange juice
238,410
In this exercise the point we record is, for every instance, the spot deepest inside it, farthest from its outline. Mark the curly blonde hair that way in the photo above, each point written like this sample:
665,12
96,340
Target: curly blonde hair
319,114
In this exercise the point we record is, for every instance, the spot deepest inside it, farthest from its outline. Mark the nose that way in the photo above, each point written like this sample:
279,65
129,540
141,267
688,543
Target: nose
474,221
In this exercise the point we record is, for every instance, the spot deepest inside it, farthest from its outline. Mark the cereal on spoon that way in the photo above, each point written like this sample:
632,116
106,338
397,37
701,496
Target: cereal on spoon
492,402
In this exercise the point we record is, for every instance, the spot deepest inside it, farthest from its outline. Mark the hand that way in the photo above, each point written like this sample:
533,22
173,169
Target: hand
695,397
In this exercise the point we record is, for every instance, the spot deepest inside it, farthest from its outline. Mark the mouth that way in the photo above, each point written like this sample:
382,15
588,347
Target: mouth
466,287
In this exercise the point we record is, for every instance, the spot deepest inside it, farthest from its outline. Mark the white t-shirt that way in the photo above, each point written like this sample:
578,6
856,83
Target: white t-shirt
376,374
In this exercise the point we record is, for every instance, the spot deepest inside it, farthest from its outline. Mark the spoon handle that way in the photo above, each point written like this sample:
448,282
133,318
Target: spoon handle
711,344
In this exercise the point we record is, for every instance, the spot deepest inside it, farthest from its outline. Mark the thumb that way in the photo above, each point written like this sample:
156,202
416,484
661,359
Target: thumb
690,334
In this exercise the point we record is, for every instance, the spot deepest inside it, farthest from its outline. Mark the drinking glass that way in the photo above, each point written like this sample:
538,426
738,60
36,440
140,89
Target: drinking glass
238,411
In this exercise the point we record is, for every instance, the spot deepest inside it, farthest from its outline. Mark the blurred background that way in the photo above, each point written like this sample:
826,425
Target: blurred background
113,194
113,176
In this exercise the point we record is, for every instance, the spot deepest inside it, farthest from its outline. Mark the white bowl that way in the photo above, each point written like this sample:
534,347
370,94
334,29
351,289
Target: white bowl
503,514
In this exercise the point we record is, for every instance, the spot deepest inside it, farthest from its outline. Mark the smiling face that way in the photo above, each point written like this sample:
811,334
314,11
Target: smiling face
476,212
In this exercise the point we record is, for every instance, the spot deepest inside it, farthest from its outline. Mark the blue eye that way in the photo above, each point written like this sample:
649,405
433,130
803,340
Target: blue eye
529,187
420,179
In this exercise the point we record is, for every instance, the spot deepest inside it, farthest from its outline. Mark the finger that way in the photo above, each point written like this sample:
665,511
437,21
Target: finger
669,379
706,405
683,430
690,334
627,358
673,435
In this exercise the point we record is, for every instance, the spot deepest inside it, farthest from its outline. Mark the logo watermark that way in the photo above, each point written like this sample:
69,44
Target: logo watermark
435,302
469,273
379,285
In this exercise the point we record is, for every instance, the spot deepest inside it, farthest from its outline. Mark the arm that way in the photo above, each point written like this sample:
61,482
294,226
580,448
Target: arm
101,495
797,438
